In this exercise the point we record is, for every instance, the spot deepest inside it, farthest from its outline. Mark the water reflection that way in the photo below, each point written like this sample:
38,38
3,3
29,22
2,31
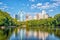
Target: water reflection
36,34
23,34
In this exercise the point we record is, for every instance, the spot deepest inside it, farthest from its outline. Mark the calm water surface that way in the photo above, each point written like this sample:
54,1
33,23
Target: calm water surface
23,34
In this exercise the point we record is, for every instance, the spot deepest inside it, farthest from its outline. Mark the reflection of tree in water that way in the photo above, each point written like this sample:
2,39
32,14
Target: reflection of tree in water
33,34
16,33
6,32
57,33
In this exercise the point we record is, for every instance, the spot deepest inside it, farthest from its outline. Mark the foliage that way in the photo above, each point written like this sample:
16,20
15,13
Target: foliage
57,17
45,22
6,19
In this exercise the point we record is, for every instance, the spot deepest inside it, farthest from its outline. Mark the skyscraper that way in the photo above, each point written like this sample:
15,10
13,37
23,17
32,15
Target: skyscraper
38,16
21,15
16,16
28,17
42,15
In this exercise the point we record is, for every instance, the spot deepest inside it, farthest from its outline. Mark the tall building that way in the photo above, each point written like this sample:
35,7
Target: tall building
42,15
38,16
16,16
21,15
28,17
34,17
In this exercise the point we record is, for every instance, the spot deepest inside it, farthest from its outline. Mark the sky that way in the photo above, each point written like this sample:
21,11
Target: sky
52,7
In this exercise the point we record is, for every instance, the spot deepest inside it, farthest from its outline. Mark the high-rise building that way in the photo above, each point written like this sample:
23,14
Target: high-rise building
21,15
42,15
16,16
28,17
38,16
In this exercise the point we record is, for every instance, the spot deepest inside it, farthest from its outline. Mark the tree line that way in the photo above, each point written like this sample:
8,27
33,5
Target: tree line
51,21
7,20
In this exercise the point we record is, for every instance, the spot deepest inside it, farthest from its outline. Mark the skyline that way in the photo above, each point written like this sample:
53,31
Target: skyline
30,6
37,16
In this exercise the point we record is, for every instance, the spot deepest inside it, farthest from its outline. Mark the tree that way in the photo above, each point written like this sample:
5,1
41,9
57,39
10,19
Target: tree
6,19
57,17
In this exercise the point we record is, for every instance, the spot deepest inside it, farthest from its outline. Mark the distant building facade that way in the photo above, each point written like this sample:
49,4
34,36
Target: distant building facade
20,16
28,17
38,16
16,16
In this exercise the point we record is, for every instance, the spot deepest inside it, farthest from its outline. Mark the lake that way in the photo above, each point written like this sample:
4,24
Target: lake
25,34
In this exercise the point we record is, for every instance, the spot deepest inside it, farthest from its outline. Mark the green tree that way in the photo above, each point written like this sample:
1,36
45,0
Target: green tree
57,17
6,19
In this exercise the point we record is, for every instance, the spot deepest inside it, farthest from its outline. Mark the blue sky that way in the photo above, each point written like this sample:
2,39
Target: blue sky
52,7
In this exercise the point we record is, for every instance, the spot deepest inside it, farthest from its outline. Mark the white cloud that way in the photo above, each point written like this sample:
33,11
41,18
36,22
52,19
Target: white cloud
46,5
56,4
27,4
33,6
1,2
12,8
5,6
51,10
32,0
39,4
55,0
2,8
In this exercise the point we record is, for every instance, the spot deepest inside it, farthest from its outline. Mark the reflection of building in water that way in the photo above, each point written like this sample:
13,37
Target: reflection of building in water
43,35
38,16
37,34
27,33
